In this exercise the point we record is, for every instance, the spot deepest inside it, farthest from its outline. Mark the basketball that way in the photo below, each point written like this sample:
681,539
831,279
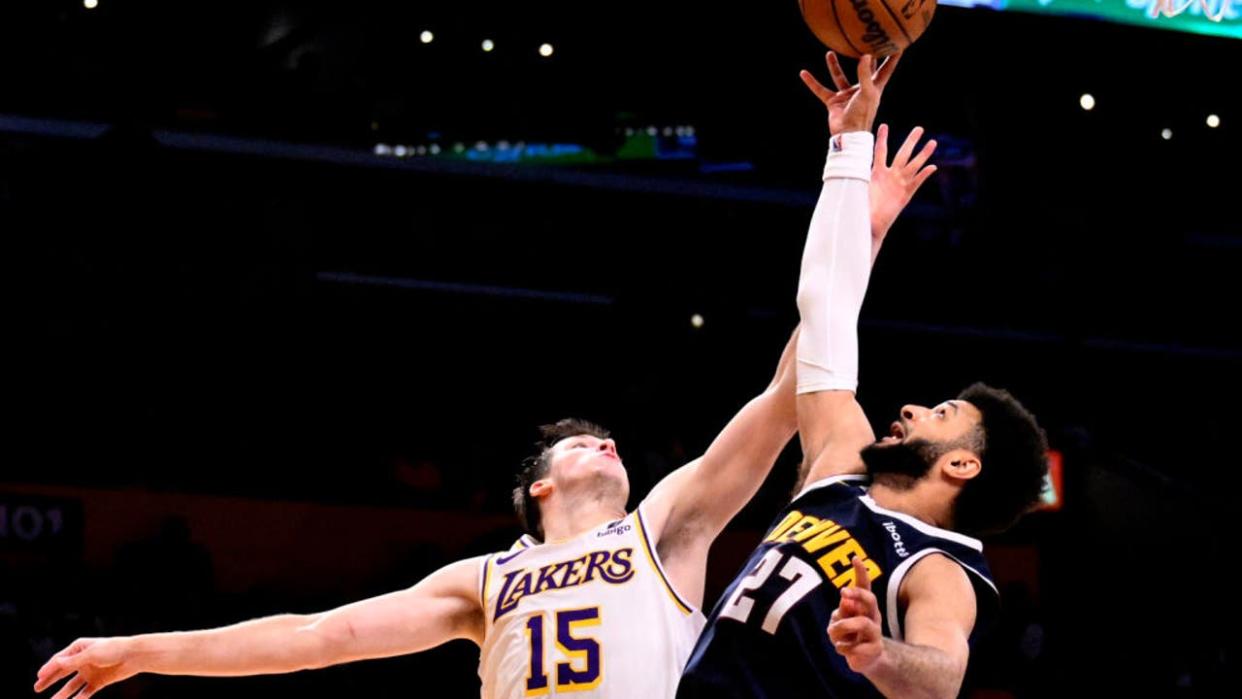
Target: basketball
879,27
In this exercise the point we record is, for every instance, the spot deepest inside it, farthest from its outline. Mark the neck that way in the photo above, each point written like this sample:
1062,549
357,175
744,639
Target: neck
928,501
569,518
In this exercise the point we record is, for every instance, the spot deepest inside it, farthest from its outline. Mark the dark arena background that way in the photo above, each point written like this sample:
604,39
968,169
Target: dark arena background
292,284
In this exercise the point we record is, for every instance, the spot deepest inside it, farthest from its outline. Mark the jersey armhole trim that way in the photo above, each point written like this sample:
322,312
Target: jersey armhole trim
654,558
483,580
899,574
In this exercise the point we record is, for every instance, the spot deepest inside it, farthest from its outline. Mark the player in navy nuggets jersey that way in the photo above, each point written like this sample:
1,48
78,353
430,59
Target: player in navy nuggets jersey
871,581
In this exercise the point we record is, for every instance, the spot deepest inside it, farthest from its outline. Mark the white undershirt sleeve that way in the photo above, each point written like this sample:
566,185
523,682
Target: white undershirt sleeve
836,266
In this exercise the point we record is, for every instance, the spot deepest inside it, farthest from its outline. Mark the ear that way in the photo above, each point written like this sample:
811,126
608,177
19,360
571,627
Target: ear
542,488
960,464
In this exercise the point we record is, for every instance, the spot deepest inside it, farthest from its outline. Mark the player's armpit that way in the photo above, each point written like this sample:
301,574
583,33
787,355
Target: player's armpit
833,430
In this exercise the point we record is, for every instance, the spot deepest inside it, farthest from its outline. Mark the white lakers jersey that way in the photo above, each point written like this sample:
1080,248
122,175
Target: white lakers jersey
594,615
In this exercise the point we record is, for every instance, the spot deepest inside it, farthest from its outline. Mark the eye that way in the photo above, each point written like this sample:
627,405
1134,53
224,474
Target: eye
941,413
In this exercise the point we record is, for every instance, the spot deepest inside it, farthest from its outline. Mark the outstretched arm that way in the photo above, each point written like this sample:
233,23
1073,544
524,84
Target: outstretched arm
713,488
687,509
444,606
690,507
836,266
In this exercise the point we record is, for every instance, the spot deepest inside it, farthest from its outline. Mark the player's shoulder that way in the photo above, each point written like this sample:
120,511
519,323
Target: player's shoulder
948,580
919,549
923,535
523,542
934,573
519,549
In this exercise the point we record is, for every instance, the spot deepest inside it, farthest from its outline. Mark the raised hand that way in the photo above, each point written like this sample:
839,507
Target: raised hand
855,625
893,185
852,107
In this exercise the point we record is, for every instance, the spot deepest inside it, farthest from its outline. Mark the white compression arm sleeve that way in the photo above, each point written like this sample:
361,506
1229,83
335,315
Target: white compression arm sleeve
836,266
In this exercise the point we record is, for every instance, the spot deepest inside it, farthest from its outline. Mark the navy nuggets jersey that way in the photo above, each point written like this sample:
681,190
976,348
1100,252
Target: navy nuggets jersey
768,635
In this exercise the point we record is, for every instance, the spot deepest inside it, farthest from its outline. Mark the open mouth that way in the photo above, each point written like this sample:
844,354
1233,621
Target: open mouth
896,433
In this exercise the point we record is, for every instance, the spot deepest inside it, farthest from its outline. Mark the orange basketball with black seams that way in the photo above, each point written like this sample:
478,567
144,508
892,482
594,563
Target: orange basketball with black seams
878,27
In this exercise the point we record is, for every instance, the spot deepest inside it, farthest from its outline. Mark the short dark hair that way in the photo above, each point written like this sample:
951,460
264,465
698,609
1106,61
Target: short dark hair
1013,450
535,467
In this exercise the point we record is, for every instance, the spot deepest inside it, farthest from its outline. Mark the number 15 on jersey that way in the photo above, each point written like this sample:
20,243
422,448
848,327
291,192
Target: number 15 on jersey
583,665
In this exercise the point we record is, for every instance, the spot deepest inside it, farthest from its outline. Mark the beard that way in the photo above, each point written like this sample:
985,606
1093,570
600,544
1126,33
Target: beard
902,464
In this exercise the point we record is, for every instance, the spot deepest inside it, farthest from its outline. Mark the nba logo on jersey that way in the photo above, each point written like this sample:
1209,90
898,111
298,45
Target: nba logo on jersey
837,144
593,615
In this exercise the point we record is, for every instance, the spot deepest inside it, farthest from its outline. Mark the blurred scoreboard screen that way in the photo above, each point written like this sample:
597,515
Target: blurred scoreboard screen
1197,17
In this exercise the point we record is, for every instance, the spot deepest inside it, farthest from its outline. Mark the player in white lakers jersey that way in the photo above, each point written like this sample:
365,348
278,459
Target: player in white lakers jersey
594,612
606,606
